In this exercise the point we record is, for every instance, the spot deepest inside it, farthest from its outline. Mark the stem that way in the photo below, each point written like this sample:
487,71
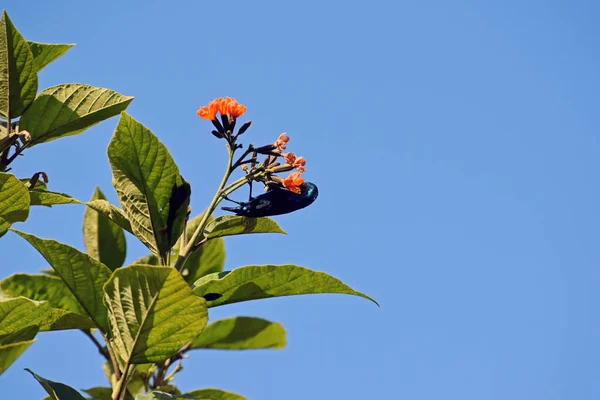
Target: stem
101,348
113,358
186,248
239,162
122,384
4,157
161,378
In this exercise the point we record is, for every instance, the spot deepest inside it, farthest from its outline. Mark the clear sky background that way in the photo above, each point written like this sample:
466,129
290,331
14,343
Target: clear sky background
456,148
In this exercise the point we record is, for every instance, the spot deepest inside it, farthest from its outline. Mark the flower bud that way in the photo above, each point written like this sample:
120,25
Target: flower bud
217,134
280,168
244,127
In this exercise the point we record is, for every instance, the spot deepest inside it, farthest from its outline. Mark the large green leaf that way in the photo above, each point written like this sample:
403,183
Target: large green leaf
42,288
209,258
10,352
70,109
262,281
100,393
14,343
227,225
159,395
45,53
61,319
18,77
241,333
215,394
83,275
14,201
57,390
151,190
153,312
20,335
21,313
104,240
42,197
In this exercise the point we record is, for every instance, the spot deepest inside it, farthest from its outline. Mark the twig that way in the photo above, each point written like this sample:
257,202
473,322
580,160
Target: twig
101,349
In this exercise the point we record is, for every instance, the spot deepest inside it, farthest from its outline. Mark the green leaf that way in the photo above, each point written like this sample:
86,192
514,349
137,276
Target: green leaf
21,335
227,225
216,394
241,333
56,390
70,109
112,212
104,240
42,288
61,319
152,193
262,281
209,258
21,313
45,53
41,197
83,275
100,393
153,313
10,352
158,395
18,77
14,202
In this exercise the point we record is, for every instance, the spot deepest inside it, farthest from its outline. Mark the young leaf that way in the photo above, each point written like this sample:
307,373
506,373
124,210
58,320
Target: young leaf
151,190
18,77
10,352
45,53
56,390
83,275
112,212
70,109
14,202
153,313
215,394
104,240
227,225
241,333
258,282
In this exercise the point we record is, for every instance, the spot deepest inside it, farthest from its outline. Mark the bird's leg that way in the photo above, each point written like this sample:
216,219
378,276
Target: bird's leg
224,196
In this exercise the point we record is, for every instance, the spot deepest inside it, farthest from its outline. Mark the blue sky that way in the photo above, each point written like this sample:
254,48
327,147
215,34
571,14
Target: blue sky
455,145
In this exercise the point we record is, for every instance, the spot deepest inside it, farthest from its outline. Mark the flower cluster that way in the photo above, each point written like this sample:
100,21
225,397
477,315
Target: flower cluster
230,109
224,106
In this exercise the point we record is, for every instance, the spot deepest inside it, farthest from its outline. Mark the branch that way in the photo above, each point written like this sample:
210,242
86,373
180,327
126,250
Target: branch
101,349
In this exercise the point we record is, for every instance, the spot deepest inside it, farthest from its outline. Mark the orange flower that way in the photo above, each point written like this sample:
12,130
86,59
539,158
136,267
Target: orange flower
234,109
293,182
281,141
296,162
223,105
208,112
